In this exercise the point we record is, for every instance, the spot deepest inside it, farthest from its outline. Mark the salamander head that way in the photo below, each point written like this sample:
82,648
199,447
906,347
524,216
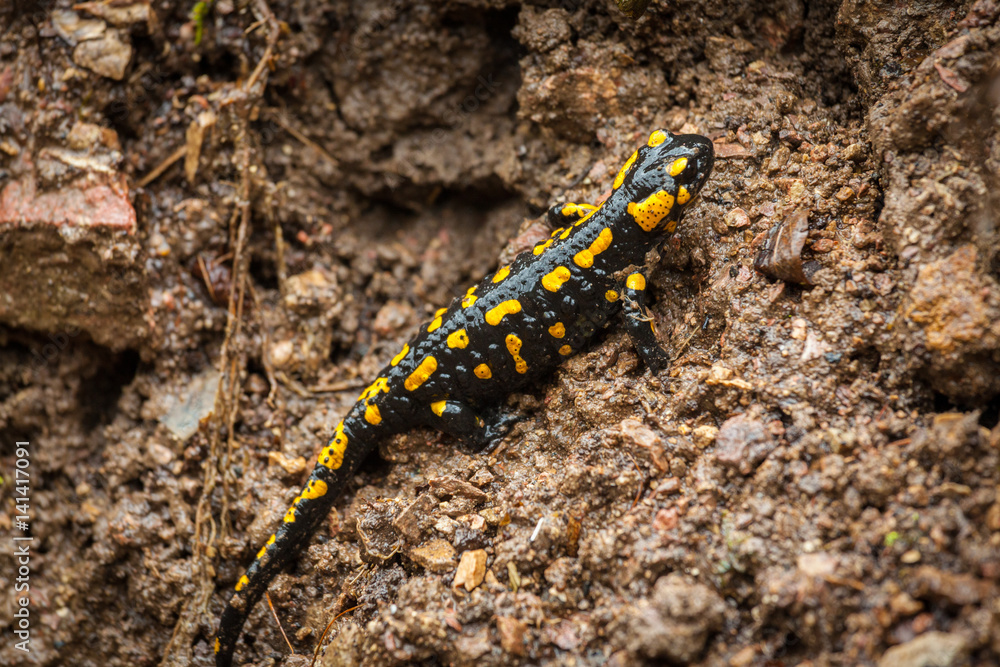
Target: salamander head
663,177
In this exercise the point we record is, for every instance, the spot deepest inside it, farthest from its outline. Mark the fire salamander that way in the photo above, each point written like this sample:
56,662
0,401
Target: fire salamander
510,329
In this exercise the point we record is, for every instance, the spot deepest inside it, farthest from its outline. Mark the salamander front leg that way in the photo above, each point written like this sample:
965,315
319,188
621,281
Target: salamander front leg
639,324
562,215
482,433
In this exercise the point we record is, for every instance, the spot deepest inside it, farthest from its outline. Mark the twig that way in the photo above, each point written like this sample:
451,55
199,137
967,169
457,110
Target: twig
232,357
287,127
684,344
292,384
162,167
270,605
266,357
329,625
273,30
355,579
334,387
642,477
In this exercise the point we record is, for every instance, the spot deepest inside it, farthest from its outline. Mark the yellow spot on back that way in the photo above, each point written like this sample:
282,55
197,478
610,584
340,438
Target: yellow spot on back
316,489
469,299
592,210
438,407
263,549
239,587
656,138
679,165
458,339
683,196
585,258
650,211
290,514
514,347
399,357
372,415
557,230
636,281
670,226
565,350
611,295
602,242
501,274
374,389
557,330
620,178
541,247
436,322
218,646
495,315
332,455
483,372
422,373
566,233
553,280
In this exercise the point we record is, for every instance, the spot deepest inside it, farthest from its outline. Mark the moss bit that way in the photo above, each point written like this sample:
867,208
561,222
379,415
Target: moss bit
633,9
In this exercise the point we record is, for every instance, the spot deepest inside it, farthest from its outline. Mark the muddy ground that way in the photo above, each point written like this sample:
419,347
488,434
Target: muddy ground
236,212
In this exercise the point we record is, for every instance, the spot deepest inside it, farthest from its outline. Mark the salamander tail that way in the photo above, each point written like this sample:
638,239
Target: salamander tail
337,462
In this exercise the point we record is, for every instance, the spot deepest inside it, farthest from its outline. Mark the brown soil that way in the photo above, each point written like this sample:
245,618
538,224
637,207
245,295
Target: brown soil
813,482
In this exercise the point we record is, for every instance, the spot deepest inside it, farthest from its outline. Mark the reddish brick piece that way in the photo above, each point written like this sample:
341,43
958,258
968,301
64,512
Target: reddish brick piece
71,260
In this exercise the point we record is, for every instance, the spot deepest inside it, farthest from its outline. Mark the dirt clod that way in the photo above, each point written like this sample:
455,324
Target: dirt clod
675,622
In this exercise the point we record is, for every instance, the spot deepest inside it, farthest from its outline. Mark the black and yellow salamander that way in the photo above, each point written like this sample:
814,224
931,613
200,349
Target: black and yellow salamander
512,328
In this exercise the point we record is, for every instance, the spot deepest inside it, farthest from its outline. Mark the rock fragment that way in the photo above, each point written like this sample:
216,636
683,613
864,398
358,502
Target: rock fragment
676,621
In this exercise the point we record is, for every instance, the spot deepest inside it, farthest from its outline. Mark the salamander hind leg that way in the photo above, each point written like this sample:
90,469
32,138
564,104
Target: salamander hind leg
639,324
481,432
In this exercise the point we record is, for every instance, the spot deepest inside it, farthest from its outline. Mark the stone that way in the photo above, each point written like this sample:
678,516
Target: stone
471,569
933,649
437,556
676,621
